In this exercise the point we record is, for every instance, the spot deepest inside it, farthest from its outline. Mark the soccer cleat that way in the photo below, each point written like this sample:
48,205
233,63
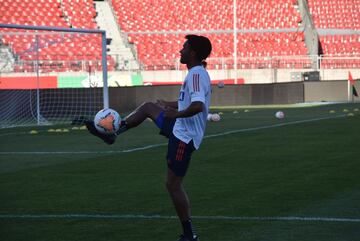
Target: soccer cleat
108,139
183,238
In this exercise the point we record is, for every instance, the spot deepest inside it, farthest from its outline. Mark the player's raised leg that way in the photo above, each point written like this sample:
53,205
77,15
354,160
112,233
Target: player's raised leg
135,118
144,111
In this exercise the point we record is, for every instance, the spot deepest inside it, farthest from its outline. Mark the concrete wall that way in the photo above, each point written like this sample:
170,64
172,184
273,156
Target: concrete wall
64,101
252,76
338,74
329,91
128,98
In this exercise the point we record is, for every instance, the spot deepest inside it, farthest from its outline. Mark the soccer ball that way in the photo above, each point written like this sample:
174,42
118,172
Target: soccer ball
221,84
107,121
213,117
279,114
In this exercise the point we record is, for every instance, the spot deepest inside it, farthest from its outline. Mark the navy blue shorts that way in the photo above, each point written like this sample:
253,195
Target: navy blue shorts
179,153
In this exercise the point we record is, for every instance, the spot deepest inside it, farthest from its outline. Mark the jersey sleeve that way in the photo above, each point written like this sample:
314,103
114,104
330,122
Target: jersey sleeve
198,85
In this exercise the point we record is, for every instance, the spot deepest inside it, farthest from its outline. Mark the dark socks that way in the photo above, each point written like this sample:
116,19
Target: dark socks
188,229
123,127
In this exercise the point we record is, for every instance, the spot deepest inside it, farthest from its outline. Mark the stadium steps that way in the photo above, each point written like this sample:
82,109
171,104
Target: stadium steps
118,47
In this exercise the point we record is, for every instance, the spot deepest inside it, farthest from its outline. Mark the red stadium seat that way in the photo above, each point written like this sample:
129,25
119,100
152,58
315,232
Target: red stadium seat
189,15
65,13
160,51
339,14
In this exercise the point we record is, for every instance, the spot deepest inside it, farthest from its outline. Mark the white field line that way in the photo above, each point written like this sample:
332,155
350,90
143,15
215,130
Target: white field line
164,144
153,217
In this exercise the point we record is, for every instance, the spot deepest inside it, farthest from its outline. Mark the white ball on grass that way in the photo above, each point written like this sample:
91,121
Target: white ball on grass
279,114
215,117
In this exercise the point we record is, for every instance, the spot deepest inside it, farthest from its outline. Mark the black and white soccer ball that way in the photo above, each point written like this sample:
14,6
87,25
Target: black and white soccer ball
107,121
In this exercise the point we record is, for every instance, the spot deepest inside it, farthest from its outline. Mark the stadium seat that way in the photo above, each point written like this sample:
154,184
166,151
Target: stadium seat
161,51
155,51
66,14
337,14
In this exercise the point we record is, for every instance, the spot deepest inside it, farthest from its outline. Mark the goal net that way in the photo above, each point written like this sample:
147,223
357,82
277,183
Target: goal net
51,76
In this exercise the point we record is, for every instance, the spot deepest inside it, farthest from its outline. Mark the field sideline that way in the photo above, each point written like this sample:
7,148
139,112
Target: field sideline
254,178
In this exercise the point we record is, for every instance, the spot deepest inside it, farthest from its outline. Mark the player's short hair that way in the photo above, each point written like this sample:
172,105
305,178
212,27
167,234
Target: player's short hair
200,44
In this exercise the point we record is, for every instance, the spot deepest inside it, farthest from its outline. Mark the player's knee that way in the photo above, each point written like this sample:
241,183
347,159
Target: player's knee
170,187
147,106
173,186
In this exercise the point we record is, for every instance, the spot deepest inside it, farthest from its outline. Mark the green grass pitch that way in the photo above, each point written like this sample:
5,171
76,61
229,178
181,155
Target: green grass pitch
254,178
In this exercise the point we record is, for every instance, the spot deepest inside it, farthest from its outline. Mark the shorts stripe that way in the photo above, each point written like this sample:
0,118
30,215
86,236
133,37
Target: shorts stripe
180,151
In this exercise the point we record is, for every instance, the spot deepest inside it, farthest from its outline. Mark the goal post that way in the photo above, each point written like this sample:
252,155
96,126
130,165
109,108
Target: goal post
51,75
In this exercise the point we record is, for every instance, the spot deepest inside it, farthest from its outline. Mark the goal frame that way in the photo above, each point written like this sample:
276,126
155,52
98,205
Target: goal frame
74,30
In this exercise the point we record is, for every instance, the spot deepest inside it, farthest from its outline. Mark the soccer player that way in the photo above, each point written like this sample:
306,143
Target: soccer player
182,122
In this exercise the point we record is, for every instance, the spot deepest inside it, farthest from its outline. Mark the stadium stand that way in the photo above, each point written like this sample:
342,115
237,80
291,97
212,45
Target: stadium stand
57,53
80,14
160,51
32,12
158,48
189,15
337,14
340,14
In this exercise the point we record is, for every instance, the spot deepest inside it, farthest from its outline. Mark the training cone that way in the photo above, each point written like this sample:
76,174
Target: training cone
33,132
332,112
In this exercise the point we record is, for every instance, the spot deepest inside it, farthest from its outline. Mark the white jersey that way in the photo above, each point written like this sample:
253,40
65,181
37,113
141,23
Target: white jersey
196,87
